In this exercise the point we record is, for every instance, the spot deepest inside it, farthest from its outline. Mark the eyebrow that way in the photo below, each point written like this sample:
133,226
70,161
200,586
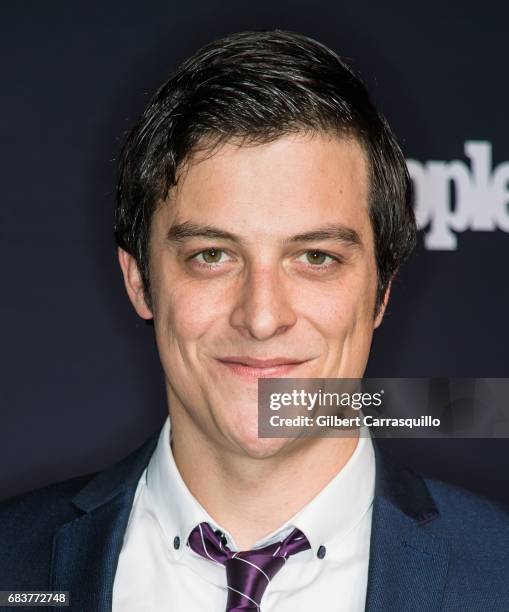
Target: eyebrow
337,232
182,231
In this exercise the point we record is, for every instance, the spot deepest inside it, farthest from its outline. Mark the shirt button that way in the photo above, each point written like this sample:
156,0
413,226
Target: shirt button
176,542
320,553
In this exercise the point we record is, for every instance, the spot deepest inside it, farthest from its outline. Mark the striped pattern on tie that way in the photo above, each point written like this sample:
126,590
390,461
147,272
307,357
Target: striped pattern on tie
248,573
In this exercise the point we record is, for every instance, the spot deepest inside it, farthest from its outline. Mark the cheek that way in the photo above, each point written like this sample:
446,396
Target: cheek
189,309
332,310
343,310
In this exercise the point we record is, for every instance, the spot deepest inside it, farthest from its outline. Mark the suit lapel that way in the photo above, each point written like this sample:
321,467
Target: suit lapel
408,563
86,550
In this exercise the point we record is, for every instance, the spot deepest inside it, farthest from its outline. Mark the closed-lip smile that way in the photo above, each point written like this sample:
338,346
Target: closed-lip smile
254,367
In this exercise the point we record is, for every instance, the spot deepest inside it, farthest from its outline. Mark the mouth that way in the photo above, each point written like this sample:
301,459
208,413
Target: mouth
251,367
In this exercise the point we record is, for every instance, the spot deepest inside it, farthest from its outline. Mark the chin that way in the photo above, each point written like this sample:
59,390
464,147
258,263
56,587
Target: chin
260,448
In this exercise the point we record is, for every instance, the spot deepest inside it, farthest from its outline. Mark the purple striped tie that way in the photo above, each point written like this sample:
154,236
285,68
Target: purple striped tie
248,572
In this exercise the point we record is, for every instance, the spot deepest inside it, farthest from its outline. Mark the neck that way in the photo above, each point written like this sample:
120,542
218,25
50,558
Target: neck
262,493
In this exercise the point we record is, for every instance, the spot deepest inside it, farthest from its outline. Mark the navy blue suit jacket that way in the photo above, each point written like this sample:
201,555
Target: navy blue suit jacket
433,546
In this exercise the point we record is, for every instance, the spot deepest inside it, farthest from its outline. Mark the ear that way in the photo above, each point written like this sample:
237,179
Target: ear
133,283
381,311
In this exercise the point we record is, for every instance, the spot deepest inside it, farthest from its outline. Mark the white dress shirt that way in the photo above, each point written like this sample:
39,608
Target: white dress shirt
158,572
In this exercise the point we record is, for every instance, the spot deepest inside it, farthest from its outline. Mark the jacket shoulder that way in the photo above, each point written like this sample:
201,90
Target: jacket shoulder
27,525
477,531
47,506
459,536
28,522
467,511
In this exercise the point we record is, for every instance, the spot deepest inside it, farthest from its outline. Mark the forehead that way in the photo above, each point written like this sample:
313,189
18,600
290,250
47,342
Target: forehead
285,186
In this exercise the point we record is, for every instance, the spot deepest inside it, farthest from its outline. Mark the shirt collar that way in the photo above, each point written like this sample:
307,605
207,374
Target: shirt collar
342,503
176,508
325,520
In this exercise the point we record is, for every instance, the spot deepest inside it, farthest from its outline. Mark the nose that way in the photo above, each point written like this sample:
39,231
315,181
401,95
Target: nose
263,308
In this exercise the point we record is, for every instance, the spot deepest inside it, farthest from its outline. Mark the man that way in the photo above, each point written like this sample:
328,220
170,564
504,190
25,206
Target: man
263,211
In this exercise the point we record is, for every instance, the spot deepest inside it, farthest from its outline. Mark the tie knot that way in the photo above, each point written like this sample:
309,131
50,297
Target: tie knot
248,572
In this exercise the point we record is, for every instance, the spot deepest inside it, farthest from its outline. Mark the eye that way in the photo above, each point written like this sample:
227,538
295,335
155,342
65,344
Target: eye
318,258
210,256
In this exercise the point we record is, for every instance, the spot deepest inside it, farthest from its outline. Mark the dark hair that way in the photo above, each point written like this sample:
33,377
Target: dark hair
259,86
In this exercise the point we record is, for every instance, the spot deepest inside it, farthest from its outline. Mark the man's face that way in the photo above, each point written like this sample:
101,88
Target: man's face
262,264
